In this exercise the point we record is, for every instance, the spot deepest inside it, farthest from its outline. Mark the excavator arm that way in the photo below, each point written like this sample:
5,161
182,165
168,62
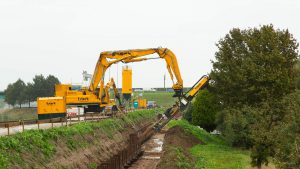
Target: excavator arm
111,84
190,94
183,104
108,58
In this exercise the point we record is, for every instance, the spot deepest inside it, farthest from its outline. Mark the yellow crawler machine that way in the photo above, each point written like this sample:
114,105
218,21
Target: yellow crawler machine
93,101
51,107
95,97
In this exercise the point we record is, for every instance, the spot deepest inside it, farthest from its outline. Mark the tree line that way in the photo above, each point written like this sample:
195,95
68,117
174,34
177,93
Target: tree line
20,92
254,98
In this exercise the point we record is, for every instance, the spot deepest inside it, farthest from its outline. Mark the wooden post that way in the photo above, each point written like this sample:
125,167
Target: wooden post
7,125
51,120
38,123
61,120
22,125
67,121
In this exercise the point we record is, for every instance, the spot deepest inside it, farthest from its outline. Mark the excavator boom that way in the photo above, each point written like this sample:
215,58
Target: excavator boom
108,58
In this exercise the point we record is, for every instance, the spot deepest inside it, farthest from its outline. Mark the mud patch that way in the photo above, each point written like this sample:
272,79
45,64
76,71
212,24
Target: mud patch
176,149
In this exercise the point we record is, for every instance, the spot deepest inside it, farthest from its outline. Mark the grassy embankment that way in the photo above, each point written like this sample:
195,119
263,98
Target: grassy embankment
40,145
163,99
215,153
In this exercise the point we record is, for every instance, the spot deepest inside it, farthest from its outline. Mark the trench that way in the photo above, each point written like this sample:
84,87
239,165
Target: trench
151,153
143,151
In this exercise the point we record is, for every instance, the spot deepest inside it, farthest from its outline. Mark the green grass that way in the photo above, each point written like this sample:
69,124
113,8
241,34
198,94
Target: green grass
41,143
213,156
215,153
181,160
18,114
163,99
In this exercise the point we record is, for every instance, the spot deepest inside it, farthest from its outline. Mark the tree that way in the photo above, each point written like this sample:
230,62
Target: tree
204,110
44,87
298,78
14,94
51,81
287,151
10,95
39,86
253,72
29,93
19,92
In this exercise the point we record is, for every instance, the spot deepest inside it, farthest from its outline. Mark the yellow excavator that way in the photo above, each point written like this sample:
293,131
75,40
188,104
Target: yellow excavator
65,95
93,98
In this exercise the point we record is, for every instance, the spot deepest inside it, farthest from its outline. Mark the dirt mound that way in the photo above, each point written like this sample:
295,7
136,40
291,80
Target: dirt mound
177,137
176,149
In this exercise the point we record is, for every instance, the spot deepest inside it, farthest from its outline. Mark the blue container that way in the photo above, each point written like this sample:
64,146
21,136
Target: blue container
135,104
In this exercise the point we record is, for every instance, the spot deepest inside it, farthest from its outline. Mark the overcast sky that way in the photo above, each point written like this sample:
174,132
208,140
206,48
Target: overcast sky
65,37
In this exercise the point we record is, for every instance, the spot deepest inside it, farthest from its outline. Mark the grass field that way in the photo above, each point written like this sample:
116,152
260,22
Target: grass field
164,99
18,114
215,153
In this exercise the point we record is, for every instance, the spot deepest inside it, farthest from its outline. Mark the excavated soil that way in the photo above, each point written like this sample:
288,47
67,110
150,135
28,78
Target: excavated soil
177,143
100,150
177,137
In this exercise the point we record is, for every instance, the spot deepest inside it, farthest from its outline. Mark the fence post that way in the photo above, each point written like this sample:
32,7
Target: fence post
7,125
51,120
61,120
22,125
38,123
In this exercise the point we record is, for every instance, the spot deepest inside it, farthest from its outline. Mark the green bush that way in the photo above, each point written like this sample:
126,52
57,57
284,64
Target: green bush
204,110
